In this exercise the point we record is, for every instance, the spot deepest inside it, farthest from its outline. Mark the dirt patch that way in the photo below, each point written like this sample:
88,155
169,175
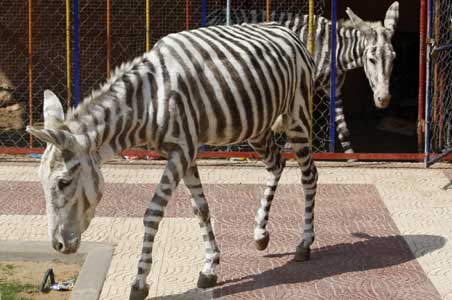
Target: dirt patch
31,273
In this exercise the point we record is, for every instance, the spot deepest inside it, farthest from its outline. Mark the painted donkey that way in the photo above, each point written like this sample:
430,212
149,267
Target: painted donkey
218,85
359,44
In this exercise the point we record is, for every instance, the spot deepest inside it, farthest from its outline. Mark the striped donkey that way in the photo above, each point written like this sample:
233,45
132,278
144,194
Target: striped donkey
360,44
218,86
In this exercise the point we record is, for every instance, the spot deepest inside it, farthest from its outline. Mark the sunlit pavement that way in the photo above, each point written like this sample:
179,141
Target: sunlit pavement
382,231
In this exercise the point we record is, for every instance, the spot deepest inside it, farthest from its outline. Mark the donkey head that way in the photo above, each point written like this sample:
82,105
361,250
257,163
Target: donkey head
70,176
378,54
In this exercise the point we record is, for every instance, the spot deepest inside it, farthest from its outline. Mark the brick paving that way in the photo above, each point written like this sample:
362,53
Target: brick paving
358,250
448,174
374,236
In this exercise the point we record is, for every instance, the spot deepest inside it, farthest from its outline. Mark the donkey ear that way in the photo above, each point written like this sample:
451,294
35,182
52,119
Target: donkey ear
62,139
53,110
392,17
359,24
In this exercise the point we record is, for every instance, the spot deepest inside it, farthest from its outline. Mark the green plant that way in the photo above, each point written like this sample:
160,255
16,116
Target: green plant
12,291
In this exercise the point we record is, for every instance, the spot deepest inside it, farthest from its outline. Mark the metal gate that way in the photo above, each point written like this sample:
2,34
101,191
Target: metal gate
438,109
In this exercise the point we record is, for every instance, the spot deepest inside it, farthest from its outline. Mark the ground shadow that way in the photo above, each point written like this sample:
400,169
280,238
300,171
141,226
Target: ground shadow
193,294
448,174
367,254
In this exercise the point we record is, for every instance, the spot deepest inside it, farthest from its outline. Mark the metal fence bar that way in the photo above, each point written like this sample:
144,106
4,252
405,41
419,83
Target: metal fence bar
290,155
68,54
428,75
267,11
333,76
444,155
148,26
228,12
221,154
441,48
30,68
108,39
422,73
311,45
435,95
203,13
76,55
187,14
311,48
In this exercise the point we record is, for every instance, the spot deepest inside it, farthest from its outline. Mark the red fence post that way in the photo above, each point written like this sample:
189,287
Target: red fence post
187,14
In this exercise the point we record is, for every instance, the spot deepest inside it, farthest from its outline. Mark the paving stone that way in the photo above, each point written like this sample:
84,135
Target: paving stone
382,232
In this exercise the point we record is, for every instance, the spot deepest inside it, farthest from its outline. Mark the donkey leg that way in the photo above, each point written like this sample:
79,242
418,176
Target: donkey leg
274,164
174,171
300,146
341,126
207,277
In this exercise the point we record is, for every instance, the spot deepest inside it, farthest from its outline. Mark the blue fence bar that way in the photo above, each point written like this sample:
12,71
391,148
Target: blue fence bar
333,76
443,48
76,55
428,81
203,13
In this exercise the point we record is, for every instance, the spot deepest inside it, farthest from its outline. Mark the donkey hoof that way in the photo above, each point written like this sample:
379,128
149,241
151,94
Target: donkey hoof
262,243
206,281
302,254
139,294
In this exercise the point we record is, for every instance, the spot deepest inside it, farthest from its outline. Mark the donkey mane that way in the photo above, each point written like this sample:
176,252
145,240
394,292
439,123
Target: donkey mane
105,89
348,24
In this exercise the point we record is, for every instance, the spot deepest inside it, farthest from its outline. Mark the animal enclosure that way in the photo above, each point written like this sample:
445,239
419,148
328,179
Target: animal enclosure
70,47
438,136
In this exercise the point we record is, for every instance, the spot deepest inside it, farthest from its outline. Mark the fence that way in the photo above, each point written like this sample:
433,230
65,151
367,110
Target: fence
260,11
439,101
70,47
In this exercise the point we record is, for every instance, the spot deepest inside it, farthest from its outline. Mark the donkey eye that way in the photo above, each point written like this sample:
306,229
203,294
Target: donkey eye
372,61
62,183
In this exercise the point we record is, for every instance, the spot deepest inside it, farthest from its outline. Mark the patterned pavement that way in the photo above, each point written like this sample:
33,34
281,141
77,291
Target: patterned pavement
382,232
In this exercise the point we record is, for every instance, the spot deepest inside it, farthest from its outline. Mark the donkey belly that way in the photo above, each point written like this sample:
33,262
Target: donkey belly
236,132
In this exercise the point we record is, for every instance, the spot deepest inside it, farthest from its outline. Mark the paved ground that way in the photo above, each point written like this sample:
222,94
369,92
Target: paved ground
383,232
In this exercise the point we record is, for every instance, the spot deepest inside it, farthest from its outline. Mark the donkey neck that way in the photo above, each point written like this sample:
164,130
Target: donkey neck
115,117
351,45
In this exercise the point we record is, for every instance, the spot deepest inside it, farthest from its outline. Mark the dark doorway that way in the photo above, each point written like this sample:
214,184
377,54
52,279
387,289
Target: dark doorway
391,130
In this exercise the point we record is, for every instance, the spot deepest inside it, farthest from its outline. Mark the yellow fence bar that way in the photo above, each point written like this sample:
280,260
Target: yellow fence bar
311,48
148,26
68,53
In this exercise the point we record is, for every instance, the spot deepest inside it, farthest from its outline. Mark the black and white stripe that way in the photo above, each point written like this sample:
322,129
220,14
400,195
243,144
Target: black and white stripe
218,86
354,39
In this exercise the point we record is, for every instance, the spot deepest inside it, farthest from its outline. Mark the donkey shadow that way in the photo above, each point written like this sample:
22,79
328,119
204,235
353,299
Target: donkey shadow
367,254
